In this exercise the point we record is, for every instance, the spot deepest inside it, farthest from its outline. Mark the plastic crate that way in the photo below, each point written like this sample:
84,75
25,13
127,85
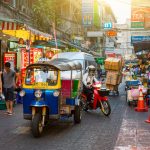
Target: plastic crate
133,83
2,105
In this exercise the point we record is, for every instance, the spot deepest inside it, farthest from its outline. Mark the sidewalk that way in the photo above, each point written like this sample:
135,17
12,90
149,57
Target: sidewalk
134,132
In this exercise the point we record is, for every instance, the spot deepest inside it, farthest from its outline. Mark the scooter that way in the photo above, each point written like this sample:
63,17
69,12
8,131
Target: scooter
100,99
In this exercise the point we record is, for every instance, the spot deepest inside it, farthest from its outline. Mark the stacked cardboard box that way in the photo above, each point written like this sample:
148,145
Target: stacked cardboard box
114,75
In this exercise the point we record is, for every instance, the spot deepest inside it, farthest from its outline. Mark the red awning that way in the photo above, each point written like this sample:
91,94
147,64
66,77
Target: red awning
5,25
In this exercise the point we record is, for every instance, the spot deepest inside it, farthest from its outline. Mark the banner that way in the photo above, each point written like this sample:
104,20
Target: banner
87,12
12,58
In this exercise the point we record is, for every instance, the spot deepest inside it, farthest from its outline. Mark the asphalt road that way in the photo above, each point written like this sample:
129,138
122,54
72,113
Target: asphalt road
96,131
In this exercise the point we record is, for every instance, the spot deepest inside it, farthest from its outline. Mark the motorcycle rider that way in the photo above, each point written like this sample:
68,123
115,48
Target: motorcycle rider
88,79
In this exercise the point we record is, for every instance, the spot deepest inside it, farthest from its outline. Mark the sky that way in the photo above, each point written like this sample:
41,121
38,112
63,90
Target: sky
121,9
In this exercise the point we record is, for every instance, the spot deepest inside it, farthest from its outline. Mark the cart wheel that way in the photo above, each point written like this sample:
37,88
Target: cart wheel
117,93
128,102
77,114
36,125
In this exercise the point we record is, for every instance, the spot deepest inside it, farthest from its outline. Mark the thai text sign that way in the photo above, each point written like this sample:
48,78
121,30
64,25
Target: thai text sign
87,12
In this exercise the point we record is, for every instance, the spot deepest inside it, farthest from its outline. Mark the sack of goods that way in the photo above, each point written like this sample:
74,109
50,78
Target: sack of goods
135,93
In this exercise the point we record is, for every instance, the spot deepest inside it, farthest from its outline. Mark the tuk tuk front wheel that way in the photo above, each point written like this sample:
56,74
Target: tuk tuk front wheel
36,125
77,114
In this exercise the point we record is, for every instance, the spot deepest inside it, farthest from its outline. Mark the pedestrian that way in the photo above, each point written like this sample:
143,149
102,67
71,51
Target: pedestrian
99,71
8,83
0,84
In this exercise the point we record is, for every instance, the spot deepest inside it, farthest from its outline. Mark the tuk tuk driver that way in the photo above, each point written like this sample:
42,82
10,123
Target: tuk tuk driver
88,79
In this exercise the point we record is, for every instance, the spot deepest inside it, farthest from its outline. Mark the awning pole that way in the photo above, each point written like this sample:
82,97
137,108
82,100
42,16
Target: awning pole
55,34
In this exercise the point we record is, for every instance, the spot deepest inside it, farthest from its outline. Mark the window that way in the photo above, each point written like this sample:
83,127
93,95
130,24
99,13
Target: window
41,74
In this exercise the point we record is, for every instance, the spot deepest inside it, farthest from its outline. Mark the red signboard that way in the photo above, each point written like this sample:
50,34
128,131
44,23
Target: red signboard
35,54
10,57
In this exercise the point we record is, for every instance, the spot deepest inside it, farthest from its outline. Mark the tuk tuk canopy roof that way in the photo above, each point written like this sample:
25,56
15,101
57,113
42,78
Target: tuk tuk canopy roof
61,64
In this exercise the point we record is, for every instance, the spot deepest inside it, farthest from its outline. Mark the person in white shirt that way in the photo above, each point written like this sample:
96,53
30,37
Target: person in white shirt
88,79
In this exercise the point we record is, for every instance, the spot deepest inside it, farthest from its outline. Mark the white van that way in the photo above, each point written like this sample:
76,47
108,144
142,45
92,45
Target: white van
84,58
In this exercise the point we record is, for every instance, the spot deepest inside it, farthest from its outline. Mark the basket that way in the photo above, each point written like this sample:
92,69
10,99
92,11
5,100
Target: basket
104,92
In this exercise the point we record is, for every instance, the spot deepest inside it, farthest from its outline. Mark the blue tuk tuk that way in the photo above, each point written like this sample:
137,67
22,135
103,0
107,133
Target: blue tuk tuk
46,95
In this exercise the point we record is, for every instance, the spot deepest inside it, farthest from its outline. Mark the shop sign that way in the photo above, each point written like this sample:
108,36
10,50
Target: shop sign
137,25
108,25
138,16
87,12
111,33
12,58
35,55
109,50
49,54
135,39
94,34
147,21
140,33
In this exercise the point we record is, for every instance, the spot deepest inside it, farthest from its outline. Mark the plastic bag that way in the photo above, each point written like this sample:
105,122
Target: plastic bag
135,93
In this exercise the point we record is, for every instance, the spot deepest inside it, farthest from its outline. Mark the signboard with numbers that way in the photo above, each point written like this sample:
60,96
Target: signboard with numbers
139,16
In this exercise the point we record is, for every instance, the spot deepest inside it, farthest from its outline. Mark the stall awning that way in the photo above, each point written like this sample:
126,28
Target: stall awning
17,29
140,46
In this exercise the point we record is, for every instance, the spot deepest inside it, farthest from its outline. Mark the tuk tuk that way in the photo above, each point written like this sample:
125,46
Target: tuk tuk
47,96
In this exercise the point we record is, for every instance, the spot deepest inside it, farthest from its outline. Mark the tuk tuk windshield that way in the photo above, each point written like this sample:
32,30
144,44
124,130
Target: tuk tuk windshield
41,74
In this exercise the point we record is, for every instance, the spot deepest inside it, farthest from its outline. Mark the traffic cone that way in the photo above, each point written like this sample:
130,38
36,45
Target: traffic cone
141,104
148,120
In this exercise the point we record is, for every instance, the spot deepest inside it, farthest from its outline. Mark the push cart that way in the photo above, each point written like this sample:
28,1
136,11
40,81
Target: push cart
130,88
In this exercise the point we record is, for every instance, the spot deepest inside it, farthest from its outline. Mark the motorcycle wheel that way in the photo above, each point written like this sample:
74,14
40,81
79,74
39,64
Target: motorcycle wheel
36,125
106,109
77,114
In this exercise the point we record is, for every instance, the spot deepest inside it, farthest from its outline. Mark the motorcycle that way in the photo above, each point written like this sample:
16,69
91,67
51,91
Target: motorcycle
100,99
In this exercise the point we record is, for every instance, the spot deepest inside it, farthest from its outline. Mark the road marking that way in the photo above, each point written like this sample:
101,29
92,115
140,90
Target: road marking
21,130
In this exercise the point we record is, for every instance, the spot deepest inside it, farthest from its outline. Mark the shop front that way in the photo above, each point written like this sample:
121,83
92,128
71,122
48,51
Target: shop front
18,39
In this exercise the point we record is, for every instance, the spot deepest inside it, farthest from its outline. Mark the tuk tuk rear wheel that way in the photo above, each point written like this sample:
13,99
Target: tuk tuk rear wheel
36,125
77,114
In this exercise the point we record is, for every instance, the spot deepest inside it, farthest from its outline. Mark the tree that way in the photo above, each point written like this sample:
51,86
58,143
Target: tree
45,14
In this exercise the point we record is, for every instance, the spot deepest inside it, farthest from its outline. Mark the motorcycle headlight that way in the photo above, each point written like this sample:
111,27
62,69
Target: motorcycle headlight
22,93
56,93
38,93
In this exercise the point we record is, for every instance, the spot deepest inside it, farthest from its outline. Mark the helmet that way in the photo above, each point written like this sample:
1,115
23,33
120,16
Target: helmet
91,70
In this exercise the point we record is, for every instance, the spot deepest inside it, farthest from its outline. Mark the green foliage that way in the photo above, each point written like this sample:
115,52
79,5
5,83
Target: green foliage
44,14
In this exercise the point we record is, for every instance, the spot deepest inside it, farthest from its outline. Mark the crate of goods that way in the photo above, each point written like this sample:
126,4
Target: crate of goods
112,77
132,83
113,64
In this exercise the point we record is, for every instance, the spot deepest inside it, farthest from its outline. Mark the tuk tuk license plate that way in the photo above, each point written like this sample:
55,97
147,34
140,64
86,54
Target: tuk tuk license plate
42,85
65,110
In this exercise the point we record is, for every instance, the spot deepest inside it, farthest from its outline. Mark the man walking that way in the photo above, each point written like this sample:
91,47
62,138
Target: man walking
8,77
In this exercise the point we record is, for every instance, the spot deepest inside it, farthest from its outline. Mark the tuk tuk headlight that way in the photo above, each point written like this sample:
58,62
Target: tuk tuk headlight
38,93
56,93
22,93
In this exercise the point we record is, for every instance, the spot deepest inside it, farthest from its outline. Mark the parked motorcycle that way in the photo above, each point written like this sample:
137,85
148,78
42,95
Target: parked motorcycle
100,99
